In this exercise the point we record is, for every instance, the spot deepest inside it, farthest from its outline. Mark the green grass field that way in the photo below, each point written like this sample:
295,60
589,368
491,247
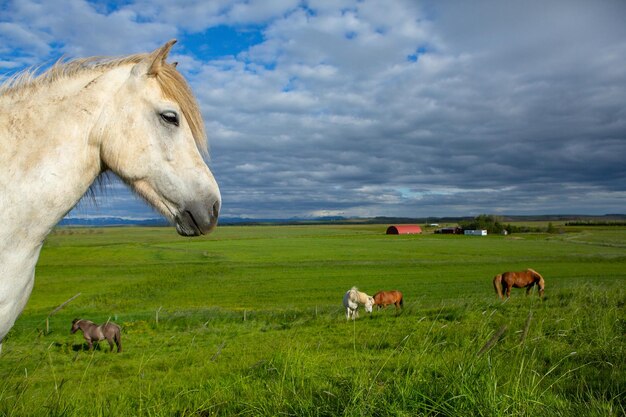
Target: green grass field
249,321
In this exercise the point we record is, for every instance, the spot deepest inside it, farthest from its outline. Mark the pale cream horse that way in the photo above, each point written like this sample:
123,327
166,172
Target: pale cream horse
351,300
133,115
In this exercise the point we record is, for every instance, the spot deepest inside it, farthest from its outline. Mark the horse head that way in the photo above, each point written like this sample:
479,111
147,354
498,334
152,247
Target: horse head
151,135
541,285
369,303
75,326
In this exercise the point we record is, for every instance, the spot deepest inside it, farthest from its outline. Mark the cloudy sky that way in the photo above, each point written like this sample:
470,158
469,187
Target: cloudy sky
373,108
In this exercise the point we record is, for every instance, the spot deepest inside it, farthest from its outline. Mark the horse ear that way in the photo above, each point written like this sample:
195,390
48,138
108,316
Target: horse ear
158,57
152,64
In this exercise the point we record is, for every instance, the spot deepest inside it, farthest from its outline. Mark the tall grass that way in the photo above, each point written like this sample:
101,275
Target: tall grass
250,323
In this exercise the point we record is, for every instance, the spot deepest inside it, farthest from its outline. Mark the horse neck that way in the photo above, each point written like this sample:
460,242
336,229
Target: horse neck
50,152
49,159
537,278
85,324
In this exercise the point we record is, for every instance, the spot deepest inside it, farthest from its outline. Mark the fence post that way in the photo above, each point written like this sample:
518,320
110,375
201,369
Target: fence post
56,310
492,341
526,327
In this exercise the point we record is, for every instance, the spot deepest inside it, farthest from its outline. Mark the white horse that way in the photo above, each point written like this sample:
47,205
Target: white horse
351,300
133,115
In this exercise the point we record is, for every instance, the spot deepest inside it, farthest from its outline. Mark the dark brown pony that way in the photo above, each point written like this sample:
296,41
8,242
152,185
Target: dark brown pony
385,298
94,333
503,282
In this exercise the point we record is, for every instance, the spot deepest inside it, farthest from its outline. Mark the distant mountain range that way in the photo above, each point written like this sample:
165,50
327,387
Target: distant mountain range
111,221
118,221
160,221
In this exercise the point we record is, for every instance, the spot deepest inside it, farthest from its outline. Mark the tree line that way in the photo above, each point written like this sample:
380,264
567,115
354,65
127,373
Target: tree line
494,225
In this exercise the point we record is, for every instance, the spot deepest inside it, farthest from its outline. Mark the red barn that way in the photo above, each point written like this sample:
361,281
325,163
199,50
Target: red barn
404,229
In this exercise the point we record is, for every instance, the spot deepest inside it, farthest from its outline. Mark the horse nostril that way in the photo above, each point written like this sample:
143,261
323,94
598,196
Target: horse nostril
216,209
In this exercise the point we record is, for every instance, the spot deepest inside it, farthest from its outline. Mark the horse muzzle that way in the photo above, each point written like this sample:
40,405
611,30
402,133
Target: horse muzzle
196,219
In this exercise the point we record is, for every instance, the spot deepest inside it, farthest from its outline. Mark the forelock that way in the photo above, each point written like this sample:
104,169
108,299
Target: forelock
176,88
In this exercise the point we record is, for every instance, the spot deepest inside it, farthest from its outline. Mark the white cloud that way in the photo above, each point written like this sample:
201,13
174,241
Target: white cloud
78,28
18,36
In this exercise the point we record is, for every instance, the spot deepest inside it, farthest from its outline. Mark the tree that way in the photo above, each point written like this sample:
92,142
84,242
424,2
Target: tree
486,222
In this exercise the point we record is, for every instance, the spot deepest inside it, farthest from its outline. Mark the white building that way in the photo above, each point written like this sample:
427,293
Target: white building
475,232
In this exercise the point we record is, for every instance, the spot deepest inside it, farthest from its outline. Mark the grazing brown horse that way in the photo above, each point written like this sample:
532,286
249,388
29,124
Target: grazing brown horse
503,282
385,298
94,333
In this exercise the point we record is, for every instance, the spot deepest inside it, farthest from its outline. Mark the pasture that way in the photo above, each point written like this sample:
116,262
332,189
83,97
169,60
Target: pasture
249,321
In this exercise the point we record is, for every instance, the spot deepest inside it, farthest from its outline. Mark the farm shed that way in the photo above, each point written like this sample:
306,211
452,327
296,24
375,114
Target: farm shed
449,231
404,229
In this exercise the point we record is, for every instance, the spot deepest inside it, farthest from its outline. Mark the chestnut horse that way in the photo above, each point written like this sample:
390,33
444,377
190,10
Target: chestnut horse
503,283
94,333
385,298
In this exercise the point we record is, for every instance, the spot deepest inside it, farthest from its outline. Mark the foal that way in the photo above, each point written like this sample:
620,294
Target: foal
94,333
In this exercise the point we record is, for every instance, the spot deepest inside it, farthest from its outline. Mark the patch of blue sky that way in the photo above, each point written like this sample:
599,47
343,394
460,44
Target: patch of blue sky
291,85
109,6
381,30
309,11
222,41
18,60
414,57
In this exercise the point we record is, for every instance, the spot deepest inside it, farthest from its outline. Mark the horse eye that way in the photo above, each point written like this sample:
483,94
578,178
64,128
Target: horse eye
170,117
